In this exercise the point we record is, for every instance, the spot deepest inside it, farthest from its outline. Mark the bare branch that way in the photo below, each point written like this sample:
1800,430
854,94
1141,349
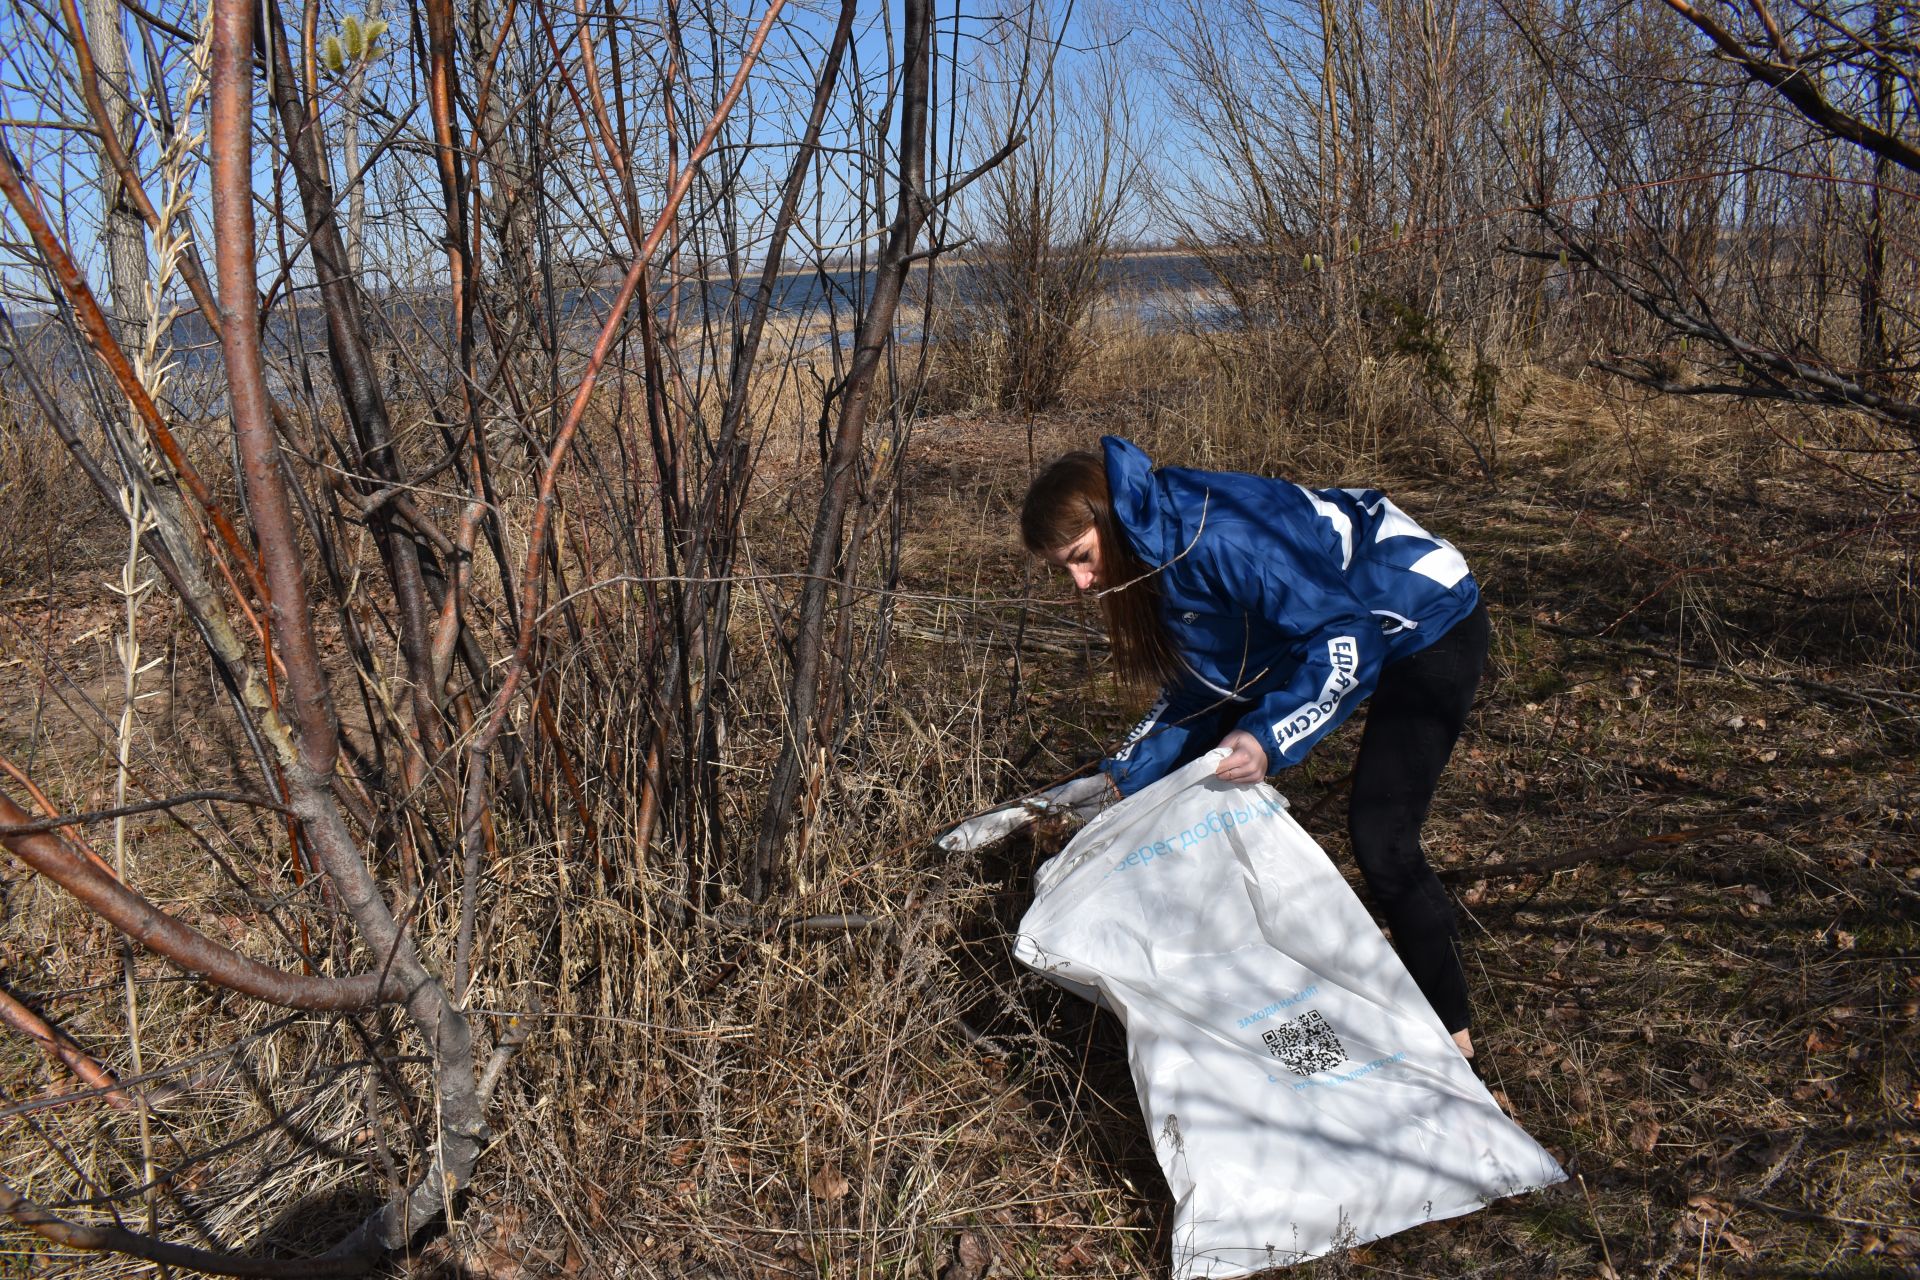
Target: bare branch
145,806
73,1235
1798,88
182,944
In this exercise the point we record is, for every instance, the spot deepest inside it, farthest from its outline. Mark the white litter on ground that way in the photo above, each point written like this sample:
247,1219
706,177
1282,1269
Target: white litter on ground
1078,798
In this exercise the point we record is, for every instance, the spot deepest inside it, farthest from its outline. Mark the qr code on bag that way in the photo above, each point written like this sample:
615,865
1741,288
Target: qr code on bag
1306,1044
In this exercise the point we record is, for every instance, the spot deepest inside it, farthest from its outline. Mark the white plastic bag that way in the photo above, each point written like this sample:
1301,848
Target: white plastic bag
1300,1092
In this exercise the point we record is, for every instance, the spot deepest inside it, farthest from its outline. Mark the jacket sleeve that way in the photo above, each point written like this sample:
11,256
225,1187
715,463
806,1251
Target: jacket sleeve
1301,590
1168,735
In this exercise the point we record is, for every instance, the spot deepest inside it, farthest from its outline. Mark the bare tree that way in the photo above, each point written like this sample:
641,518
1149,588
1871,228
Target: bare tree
1043,224
1744,204
1349,202
106,77
855,399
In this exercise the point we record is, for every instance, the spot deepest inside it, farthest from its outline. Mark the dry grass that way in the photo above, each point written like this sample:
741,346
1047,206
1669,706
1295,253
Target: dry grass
43,499
1701,634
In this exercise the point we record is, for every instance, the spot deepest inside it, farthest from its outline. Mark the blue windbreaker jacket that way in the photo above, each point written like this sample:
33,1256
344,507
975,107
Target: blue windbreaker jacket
1283,603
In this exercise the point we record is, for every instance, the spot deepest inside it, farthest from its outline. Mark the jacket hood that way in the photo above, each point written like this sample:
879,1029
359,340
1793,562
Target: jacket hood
1136,499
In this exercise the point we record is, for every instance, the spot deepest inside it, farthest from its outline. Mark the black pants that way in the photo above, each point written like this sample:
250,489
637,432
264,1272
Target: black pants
1413,719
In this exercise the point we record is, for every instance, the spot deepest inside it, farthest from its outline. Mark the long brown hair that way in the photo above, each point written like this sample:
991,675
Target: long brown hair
1070,496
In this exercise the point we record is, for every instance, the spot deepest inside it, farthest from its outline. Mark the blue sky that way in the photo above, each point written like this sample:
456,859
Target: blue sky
33,91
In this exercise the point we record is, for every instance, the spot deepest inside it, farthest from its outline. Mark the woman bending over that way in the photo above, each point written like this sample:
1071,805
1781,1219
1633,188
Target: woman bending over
1266,612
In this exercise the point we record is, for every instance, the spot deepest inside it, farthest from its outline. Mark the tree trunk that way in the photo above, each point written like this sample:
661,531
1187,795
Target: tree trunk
876,330
123,230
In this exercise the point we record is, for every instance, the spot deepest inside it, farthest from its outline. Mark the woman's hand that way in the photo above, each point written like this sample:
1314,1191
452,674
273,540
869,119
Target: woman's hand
1246,760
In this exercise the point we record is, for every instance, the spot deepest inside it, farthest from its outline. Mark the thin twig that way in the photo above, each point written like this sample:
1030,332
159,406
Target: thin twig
144,806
